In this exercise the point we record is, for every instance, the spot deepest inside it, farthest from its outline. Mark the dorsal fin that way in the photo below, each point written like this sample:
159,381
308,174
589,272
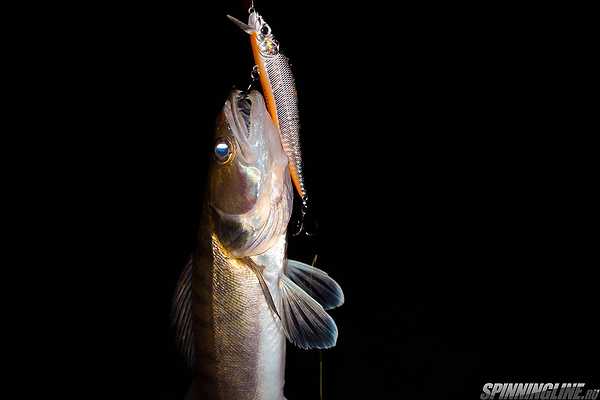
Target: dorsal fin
181,314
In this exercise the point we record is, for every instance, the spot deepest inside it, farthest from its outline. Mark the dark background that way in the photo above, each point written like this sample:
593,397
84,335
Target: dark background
454,202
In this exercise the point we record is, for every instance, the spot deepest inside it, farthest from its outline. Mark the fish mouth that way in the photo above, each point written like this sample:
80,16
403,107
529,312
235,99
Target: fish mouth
241,102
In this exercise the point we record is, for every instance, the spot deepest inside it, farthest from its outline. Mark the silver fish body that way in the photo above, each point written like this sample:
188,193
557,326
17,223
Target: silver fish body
239,343
240,346
240,298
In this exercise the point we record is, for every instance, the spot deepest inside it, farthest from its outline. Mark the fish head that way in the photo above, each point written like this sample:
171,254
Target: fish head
250,191
258,28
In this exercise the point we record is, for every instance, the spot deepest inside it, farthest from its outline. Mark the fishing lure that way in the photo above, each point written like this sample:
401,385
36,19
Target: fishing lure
279,89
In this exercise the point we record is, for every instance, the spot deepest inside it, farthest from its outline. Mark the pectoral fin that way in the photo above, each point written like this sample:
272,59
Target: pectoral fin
265,288
305,322
316,283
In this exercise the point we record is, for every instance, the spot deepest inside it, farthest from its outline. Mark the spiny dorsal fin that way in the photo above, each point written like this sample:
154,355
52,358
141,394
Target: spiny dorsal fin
305,322
316,283
181,314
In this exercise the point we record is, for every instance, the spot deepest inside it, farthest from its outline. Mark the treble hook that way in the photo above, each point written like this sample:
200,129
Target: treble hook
300,222
253,77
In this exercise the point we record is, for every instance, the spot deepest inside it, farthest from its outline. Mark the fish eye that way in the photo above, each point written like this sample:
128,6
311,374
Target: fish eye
223,150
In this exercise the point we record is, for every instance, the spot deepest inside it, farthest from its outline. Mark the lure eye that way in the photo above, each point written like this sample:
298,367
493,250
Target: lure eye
265,30
223,150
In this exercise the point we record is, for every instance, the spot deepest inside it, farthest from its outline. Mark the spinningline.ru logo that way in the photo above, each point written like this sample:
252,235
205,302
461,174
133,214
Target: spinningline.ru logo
542,391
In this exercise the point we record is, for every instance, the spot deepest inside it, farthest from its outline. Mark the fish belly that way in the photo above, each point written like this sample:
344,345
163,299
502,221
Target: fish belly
240,347
272,340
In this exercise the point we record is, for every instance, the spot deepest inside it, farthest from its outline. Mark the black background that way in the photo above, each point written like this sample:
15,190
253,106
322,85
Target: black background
453,201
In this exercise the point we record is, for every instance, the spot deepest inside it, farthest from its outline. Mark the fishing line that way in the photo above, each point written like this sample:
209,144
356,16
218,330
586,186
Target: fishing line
253,78
320,374
300,223
314,262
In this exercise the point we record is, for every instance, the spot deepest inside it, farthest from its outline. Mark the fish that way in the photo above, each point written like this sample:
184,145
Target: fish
239,298
279,88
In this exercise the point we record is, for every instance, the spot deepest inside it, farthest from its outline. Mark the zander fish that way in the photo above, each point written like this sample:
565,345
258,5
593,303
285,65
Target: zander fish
239,297
279,88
